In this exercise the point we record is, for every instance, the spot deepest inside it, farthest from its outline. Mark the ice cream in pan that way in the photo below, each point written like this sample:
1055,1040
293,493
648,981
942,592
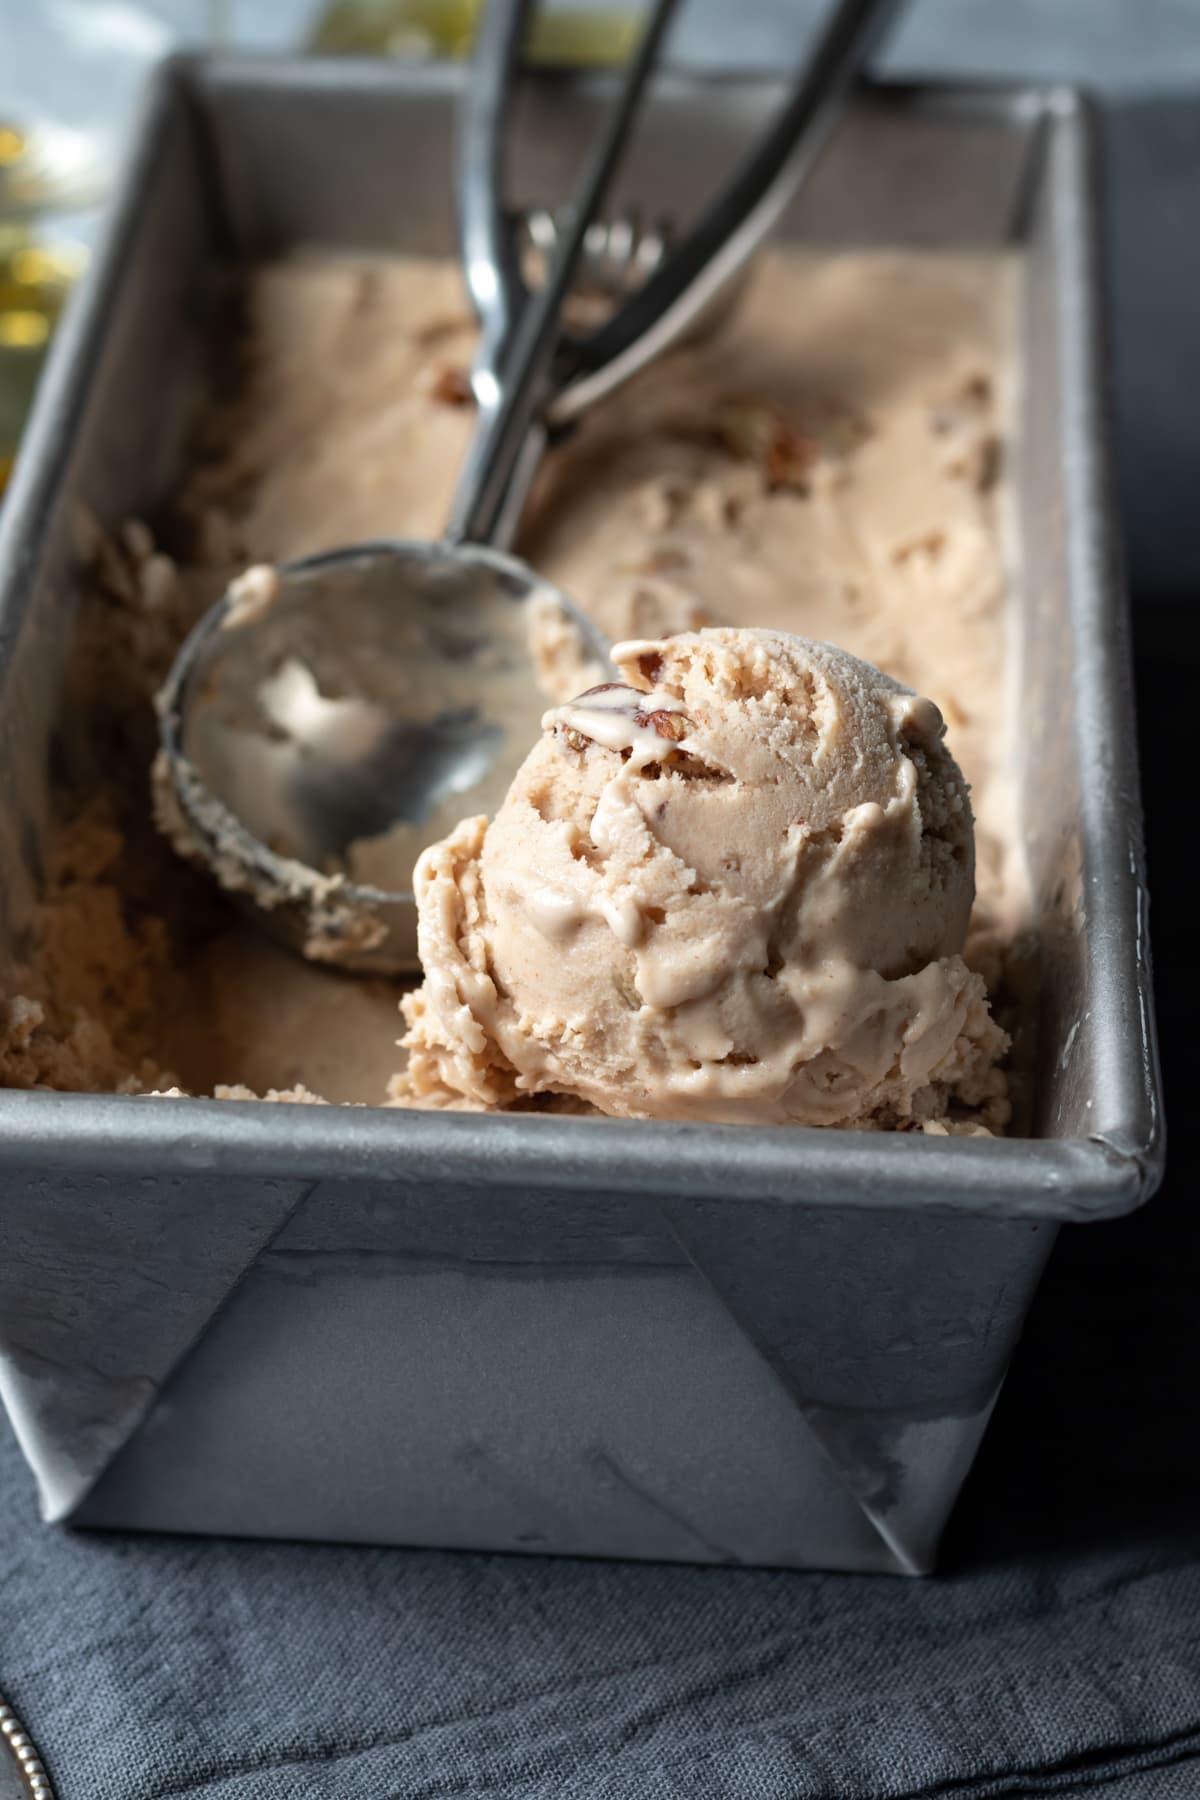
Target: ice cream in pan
826,465
363,766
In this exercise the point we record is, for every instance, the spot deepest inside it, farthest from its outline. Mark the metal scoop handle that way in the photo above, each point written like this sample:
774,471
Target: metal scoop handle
515,379
487,243
524,347
736,220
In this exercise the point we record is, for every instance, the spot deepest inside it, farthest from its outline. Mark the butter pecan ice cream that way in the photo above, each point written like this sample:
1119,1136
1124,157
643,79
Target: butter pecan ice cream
734,886
831,460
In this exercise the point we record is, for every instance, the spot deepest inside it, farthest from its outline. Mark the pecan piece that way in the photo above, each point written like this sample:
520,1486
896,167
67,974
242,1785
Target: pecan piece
756,432
672,725
449,385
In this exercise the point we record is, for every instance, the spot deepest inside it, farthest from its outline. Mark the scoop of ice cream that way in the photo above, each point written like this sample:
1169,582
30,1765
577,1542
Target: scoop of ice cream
735,886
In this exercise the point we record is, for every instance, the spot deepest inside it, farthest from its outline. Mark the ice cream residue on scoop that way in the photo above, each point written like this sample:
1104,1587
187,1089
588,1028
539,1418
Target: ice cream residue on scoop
735,887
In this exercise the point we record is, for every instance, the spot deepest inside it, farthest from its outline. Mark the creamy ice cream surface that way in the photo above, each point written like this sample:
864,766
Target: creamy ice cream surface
829,462
736,888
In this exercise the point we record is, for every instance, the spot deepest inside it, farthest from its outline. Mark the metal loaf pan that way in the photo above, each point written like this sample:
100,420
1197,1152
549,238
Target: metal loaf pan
564,1335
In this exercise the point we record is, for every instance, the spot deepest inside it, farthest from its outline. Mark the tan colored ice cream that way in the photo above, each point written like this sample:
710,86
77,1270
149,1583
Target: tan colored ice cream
736,888
830,461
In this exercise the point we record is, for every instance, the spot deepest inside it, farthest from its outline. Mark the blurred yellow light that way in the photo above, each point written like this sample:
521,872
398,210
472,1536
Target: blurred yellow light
589,37
36,265
23,330
12,144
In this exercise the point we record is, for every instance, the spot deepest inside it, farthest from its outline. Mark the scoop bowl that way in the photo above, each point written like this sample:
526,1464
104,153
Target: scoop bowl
330,717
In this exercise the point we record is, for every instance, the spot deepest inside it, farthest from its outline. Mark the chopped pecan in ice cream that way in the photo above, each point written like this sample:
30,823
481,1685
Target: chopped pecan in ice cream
756,432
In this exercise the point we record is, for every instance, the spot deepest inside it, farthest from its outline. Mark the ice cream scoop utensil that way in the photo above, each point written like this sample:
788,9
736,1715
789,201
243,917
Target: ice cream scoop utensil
618,253
287,734
335,763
